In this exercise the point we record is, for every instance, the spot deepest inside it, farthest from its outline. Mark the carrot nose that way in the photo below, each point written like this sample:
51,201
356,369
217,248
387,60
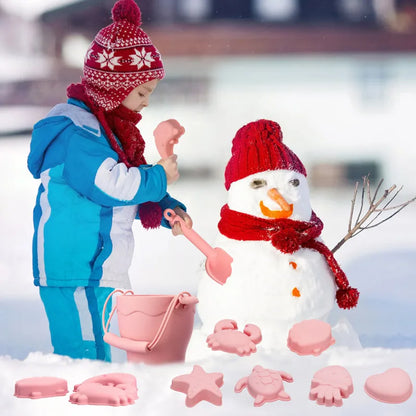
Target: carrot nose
276,196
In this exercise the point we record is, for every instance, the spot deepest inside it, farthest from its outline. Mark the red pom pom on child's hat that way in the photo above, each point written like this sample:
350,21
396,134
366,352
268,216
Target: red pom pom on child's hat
127,10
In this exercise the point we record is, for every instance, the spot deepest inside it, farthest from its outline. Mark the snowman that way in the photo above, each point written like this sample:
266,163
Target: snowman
282,272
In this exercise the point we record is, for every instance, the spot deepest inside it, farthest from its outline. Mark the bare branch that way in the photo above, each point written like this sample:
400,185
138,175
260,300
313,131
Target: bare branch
368,219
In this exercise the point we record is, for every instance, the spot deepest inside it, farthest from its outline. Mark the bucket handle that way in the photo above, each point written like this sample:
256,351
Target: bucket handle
183,298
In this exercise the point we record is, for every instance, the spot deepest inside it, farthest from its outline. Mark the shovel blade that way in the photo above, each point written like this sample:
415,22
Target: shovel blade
218,265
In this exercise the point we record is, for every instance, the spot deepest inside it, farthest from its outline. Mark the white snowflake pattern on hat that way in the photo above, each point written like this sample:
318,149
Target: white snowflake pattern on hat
108,59
142,58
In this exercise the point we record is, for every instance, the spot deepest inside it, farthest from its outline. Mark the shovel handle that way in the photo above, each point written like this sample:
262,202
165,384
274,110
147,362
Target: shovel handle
189,233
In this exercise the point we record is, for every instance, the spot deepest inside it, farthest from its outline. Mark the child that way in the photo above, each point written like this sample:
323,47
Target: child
88,154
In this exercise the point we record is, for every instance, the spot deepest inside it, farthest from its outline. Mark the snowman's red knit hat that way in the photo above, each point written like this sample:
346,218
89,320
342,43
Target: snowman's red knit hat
258,147
120,58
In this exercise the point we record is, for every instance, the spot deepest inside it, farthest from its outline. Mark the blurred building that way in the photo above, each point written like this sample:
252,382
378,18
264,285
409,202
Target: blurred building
338,75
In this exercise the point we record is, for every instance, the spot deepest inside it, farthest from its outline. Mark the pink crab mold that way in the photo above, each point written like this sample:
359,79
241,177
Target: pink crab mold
40,387
330,385
115,389
265,385
393,386
310,337
227,338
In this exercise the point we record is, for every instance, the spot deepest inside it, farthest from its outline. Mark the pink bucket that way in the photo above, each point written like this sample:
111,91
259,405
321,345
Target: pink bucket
154,329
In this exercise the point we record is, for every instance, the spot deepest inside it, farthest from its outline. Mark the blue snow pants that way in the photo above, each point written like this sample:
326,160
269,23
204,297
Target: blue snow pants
75,323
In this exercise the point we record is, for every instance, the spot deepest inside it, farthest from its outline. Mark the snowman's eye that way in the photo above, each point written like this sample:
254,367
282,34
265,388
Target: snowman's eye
294,182
258,183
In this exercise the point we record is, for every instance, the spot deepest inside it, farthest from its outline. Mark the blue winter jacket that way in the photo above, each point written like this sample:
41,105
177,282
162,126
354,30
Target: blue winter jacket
87,201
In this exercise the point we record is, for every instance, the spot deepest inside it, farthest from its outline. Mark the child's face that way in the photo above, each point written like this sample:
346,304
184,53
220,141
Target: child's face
139,97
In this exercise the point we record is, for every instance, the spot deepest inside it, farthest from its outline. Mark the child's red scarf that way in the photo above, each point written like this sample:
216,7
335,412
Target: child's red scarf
120,124
288,236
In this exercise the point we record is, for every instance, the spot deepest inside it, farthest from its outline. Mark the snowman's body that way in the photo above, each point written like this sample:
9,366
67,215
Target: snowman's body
268,287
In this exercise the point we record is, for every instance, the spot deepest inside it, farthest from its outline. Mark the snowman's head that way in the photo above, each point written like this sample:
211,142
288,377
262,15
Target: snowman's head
272,194
264,177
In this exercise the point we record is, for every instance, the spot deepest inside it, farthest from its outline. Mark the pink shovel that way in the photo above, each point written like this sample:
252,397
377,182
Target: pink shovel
218,263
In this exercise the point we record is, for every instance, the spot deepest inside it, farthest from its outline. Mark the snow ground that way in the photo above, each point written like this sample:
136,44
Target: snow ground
380,263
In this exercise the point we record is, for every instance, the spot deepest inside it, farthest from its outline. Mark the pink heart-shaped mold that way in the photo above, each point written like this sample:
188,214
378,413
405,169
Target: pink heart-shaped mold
392,386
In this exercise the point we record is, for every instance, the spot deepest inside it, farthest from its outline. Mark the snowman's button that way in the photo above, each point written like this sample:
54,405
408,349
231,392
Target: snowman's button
295,292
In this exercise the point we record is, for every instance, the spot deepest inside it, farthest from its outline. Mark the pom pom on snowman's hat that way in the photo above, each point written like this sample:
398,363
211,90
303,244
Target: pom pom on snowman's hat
120,58
258,147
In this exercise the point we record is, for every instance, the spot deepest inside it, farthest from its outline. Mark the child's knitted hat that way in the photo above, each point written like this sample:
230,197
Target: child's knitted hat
120,58
258,147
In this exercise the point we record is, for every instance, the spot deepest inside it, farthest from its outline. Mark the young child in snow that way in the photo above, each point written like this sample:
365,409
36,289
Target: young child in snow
95,181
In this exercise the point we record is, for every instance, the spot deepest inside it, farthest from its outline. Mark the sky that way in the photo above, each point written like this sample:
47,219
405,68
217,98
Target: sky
33,8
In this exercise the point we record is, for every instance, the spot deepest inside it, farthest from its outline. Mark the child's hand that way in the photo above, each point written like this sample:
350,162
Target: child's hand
176,227
171,168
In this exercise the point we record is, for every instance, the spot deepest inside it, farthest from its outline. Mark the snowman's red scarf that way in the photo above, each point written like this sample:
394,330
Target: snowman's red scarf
121,122
288,236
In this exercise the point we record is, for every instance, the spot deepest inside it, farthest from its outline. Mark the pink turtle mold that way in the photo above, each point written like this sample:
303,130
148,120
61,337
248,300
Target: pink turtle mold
199,385
310,337
40,387
265,385
393,386
116,389
226,338
330,385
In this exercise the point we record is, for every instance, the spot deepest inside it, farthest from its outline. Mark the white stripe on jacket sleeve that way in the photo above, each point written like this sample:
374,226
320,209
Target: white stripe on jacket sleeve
117,181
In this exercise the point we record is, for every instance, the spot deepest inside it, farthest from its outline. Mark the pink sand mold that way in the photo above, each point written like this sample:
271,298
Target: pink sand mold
115,389
40,387
330,385
167,134
226,338
199,385
393,386
265,385
310,337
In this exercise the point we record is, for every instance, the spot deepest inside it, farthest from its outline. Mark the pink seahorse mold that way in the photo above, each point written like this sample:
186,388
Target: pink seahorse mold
226,338
310,337
265,385
40,387
393,386
330,385
116,389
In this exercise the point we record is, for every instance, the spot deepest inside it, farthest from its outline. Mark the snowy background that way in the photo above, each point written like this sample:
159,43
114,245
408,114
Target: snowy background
373,119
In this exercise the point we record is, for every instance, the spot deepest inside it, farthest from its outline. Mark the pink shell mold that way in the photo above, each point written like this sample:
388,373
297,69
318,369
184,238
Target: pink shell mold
40,387
310,337
265,385
330,385
115,389
393,386
199,385
227,338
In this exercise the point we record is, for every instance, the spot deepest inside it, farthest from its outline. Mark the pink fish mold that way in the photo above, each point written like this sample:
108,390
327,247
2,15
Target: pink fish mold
310,337
227,338
330,385
393,386
40,387
199,385
116,389
265,385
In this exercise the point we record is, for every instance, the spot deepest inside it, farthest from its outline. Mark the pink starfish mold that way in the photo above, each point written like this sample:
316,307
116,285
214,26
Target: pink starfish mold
226,338
330,385
393,386
40,387
310,337
115,389
199,385
265,385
